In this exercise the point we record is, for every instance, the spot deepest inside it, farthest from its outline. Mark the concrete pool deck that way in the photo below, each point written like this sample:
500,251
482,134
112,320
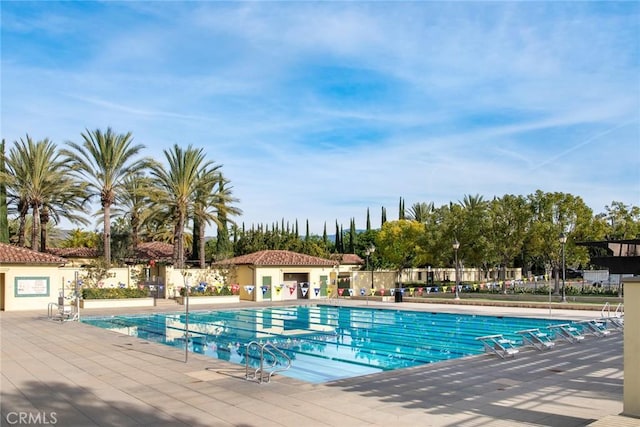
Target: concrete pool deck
73,374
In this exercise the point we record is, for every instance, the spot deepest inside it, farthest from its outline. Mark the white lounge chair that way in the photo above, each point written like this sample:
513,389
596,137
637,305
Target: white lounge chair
616,321
499,345
595,327
537,339
567,332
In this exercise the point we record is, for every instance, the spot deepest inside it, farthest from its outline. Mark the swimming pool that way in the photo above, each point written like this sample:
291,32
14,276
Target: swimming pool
326,342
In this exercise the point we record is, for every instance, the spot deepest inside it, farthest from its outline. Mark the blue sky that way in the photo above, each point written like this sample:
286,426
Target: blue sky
320,110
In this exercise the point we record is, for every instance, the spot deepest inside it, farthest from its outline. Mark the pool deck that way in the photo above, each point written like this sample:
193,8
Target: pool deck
72,374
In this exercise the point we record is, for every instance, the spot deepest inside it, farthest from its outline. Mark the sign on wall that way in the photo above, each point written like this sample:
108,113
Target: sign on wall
32,287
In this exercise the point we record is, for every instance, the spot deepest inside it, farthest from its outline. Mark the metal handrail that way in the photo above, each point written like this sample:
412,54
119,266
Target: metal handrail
606,308
259,373
62,314
619,310
50,309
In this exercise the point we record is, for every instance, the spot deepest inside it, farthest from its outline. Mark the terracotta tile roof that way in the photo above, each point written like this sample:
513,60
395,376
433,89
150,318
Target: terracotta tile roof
278,258
147,251
158,251
10,254
348,259
75,252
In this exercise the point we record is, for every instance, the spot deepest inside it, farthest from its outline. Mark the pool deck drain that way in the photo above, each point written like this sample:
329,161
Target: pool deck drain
86,376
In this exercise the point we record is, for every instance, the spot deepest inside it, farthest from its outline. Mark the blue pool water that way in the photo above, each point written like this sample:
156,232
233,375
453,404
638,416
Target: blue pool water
326,342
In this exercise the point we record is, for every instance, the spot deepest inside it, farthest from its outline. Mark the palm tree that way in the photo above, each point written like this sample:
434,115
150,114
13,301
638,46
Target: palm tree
17,185
223,204
4,219
177,185
134,205
104,160
420,211
66,199
39,180
201,213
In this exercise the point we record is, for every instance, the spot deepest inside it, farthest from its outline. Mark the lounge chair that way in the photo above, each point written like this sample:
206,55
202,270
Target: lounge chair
499,345
595,327
539,340
567,332
616,321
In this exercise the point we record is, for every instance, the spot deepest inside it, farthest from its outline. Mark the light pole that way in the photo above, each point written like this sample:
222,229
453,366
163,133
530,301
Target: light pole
456,246
186,315
563,241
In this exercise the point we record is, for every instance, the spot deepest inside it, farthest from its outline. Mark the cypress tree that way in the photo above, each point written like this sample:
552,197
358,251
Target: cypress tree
368,221
384,216
325,238
352,236
223,247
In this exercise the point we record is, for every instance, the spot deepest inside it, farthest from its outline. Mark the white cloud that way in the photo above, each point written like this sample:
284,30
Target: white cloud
320,110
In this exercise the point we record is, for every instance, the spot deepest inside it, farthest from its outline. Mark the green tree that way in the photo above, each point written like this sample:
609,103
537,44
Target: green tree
554,214
4,216
81,239
185,174
104,160
38,178
203,215
401,213
420,211
509,219
134,206
623,221
352,236
473,230
325,238
222,204
400,243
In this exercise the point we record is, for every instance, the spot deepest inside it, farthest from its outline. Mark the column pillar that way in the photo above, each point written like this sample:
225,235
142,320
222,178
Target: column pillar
631,405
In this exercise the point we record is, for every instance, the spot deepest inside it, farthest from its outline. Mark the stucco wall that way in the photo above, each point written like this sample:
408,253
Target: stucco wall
632,347
33,287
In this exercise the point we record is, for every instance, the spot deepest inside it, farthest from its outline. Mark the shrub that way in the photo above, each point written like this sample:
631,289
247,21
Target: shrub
113,293
210,291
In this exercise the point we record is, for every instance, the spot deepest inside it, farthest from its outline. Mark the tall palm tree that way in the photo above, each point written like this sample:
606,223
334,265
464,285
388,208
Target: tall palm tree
134,205
104,160
66,199
39,180
4,218
222,204
201,213
177,184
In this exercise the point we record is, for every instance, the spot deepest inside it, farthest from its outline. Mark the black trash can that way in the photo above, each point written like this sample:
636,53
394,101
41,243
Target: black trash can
398,294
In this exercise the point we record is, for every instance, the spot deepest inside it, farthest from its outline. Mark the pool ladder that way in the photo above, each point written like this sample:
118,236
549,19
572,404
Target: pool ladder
264,373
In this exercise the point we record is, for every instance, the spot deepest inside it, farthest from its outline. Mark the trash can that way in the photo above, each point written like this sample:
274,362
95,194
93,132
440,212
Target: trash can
398,294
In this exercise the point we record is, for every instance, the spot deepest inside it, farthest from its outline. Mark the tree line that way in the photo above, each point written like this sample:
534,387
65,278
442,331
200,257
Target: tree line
45,183
141,199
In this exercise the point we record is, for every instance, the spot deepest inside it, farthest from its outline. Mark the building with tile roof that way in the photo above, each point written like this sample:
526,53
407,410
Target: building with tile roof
279,275
28,279
10,254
